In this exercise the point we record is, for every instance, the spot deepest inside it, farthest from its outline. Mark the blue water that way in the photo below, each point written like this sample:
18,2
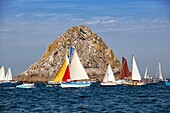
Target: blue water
151,98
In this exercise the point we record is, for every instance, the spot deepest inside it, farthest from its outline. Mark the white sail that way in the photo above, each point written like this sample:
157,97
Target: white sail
135,71
109,76
160,72
77,72
2,73
146,73
9,74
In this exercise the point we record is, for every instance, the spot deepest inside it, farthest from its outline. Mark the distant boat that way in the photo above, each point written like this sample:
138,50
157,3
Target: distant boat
8,77
109,78
167,82
159,75
77,74
124,72
146,76
136,77
2,74
26,85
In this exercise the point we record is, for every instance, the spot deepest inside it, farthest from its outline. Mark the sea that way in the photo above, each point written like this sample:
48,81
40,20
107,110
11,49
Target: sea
150,98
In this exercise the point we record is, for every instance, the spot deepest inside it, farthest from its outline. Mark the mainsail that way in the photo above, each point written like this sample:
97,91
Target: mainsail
124,70
159,72
2,73
146,73
8,74
135,71
61,72
109,76
77,72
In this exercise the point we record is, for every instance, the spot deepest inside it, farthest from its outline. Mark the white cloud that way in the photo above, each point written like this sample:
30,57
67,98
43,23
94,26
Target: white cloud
99,20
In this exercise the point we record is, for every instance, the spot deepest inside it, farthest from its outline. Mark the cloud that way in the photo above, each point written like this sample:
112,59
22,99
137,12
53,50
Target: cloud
99,20
111,24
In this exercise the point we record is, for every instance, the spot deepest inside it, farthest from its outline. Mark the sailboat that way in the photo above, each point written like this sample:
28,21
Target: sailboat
8,77
136,77
77,74
159,75
2,74
26,85
109,78
125,74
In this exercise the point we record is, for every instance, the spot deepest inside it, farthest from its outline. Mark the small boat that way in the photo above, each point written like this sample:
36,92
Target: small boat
8,77
76,74
109,78
5,78
167,82
124,72
136,77
26,85
159,75
75,84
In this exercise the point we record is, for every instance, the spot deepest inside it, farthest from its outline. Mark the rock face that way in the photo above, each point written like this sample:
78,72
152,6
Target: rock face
92,51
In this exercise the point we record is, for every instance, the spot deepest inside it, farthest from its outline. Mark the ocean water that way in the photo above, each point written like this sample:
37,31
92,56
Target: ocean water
151,98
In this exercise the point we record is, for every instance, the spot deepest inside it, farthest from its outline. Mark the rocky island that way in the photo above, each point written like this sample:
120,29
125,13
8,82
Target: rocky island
92,51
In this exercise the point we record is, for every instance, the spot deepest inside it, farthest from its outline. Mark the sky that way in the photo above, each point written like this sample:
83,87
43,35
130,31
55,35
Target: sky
139,27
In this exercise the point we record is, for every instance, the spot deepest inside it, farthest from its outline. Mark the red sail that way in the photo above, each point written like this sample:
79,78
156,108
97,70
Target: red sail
125,68
121,73
124,72
66,74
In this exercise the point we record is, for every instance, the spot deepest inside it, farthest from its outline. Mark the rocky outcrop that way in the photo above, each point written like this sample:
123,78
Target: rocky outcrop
92,51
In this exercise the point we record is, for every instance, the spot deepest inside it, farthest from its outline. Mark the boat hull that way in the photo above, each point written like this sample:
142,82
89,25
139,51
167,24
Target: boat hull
167,83
75,84
54,83
25,86
108,83
137,84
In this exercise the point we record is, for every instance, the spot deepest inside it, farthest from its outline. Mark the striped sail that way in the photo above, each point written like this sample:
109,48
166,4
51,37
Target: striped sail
135,71
77,72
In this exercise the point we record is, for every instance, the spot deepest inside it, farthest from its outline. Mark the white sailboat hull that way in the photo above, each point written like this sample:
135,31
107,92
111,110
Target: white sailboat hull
75,84
108,83
25,86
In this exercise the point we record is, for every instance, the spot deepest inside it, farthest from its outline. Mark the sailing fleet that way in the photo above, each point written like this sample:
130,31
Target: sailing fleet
73,74
5,78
